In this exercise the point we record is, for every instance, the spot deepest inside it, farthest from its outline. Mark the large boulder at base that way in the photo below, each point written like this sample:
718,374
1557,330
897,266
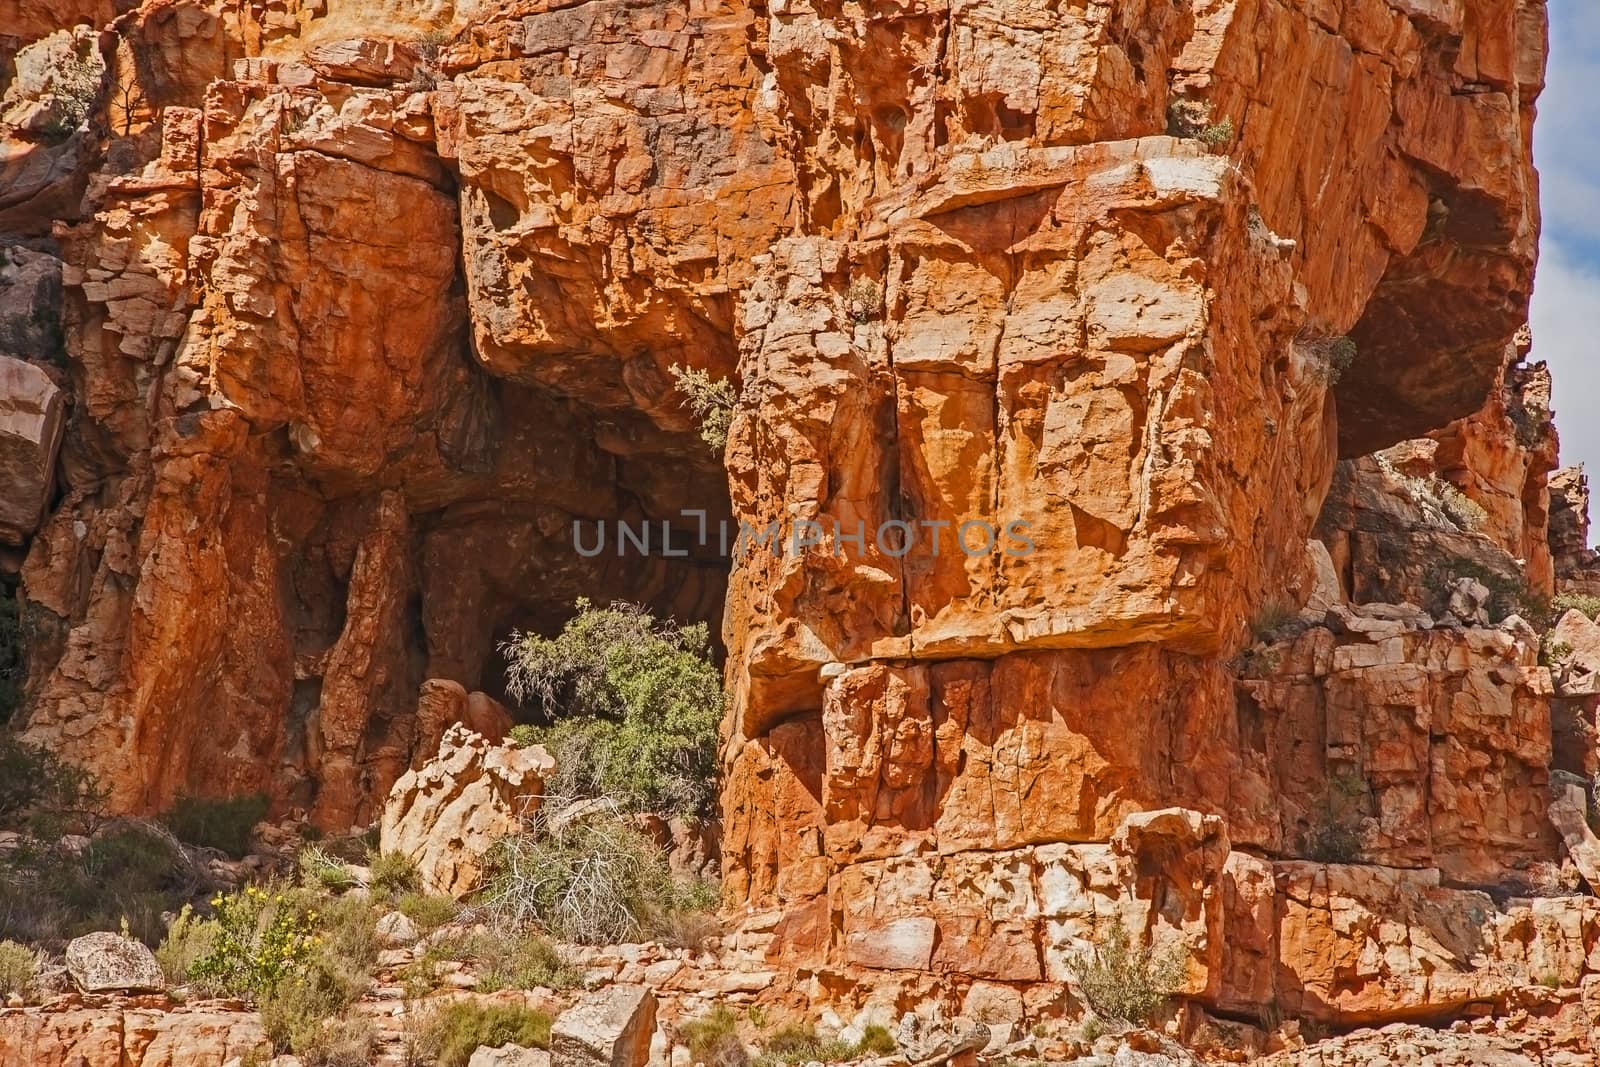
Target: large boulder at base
447,814
111,963
609,1028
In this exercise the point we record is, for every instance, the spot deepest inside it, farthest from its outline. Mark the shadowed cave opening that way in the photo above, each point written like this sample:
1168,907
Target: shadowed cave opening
600,506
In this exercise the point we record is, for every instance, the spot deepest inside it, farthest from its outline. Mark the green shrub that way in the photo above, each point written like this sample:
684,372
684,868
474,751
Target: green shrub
189,939
129,873
19,971
455,1032
711,399
1565,602
1272,618
638,703
1336,838
42,795
393,873
517,960
522,961
74,89
876,1041
223,824
341,1042
427,911
801,1044
523,734
1218,134
1119,981
1508,593
262,939
1329,356
713,1040
317,868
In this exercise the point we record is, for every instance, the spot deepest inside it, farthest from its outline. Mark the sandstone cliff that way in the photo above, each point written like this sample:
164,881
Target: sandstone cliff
325,322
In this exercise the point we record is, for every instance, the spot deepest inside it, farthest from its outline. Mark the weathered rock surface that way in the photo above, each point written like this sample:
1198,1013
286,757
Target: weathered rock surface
111,963
448,814
610,1028
116,1036
367,309
510,1056
32,417
1404,747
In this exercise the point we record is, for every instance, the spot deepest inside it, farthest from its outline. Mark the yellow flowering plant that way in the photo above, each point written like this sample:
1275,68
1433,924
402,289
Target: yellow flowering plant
262,939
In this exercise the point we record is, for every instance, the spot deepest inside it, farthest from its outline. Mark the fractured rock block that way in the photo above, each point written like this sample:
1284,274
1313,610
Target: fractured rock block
31,423
449,813
609,1028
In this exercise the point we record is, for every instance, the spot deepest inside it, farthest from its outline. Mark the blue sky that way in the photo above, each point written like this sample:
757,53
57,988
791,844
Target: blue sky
1566,291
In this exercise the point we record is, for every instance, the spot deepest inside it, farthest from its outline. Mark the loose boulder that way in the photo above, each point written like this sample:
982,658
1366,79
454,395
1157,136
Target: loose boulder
510,1056
608,1028
111,963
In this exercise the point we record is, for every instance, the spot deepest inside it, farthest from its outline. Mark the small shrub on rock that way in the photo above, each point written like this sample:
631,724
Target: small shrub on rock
345,1041
798,1044
318,869
713,1040
190,938
1120,981
427,911
711,399
19,971
1565,602
594,879
42,795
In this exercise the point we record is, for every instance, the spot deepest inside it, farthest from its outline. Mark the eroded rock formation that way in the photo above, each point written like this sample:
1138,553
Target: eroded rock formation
1056,335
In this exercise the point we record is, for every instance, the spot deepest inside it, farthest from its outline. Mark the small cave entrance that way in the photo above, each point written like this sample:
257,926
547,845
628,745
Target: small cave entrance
580,505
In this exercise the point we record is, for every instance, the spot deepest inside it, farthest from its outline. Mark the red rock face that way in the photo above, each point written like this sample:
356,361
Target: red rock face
1032,307
1093,301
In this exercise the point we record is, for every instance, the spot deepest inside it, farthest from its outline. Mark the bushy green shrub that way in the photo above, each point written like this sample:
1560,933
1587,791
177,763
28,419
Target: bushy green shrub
128,873
43,795
190,938
75,85
393,873
1119,981
637,701
713,1039
262,938
452,1034
711,399
344,1041
19,971
798,1044
225,824
426,910
1565,602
